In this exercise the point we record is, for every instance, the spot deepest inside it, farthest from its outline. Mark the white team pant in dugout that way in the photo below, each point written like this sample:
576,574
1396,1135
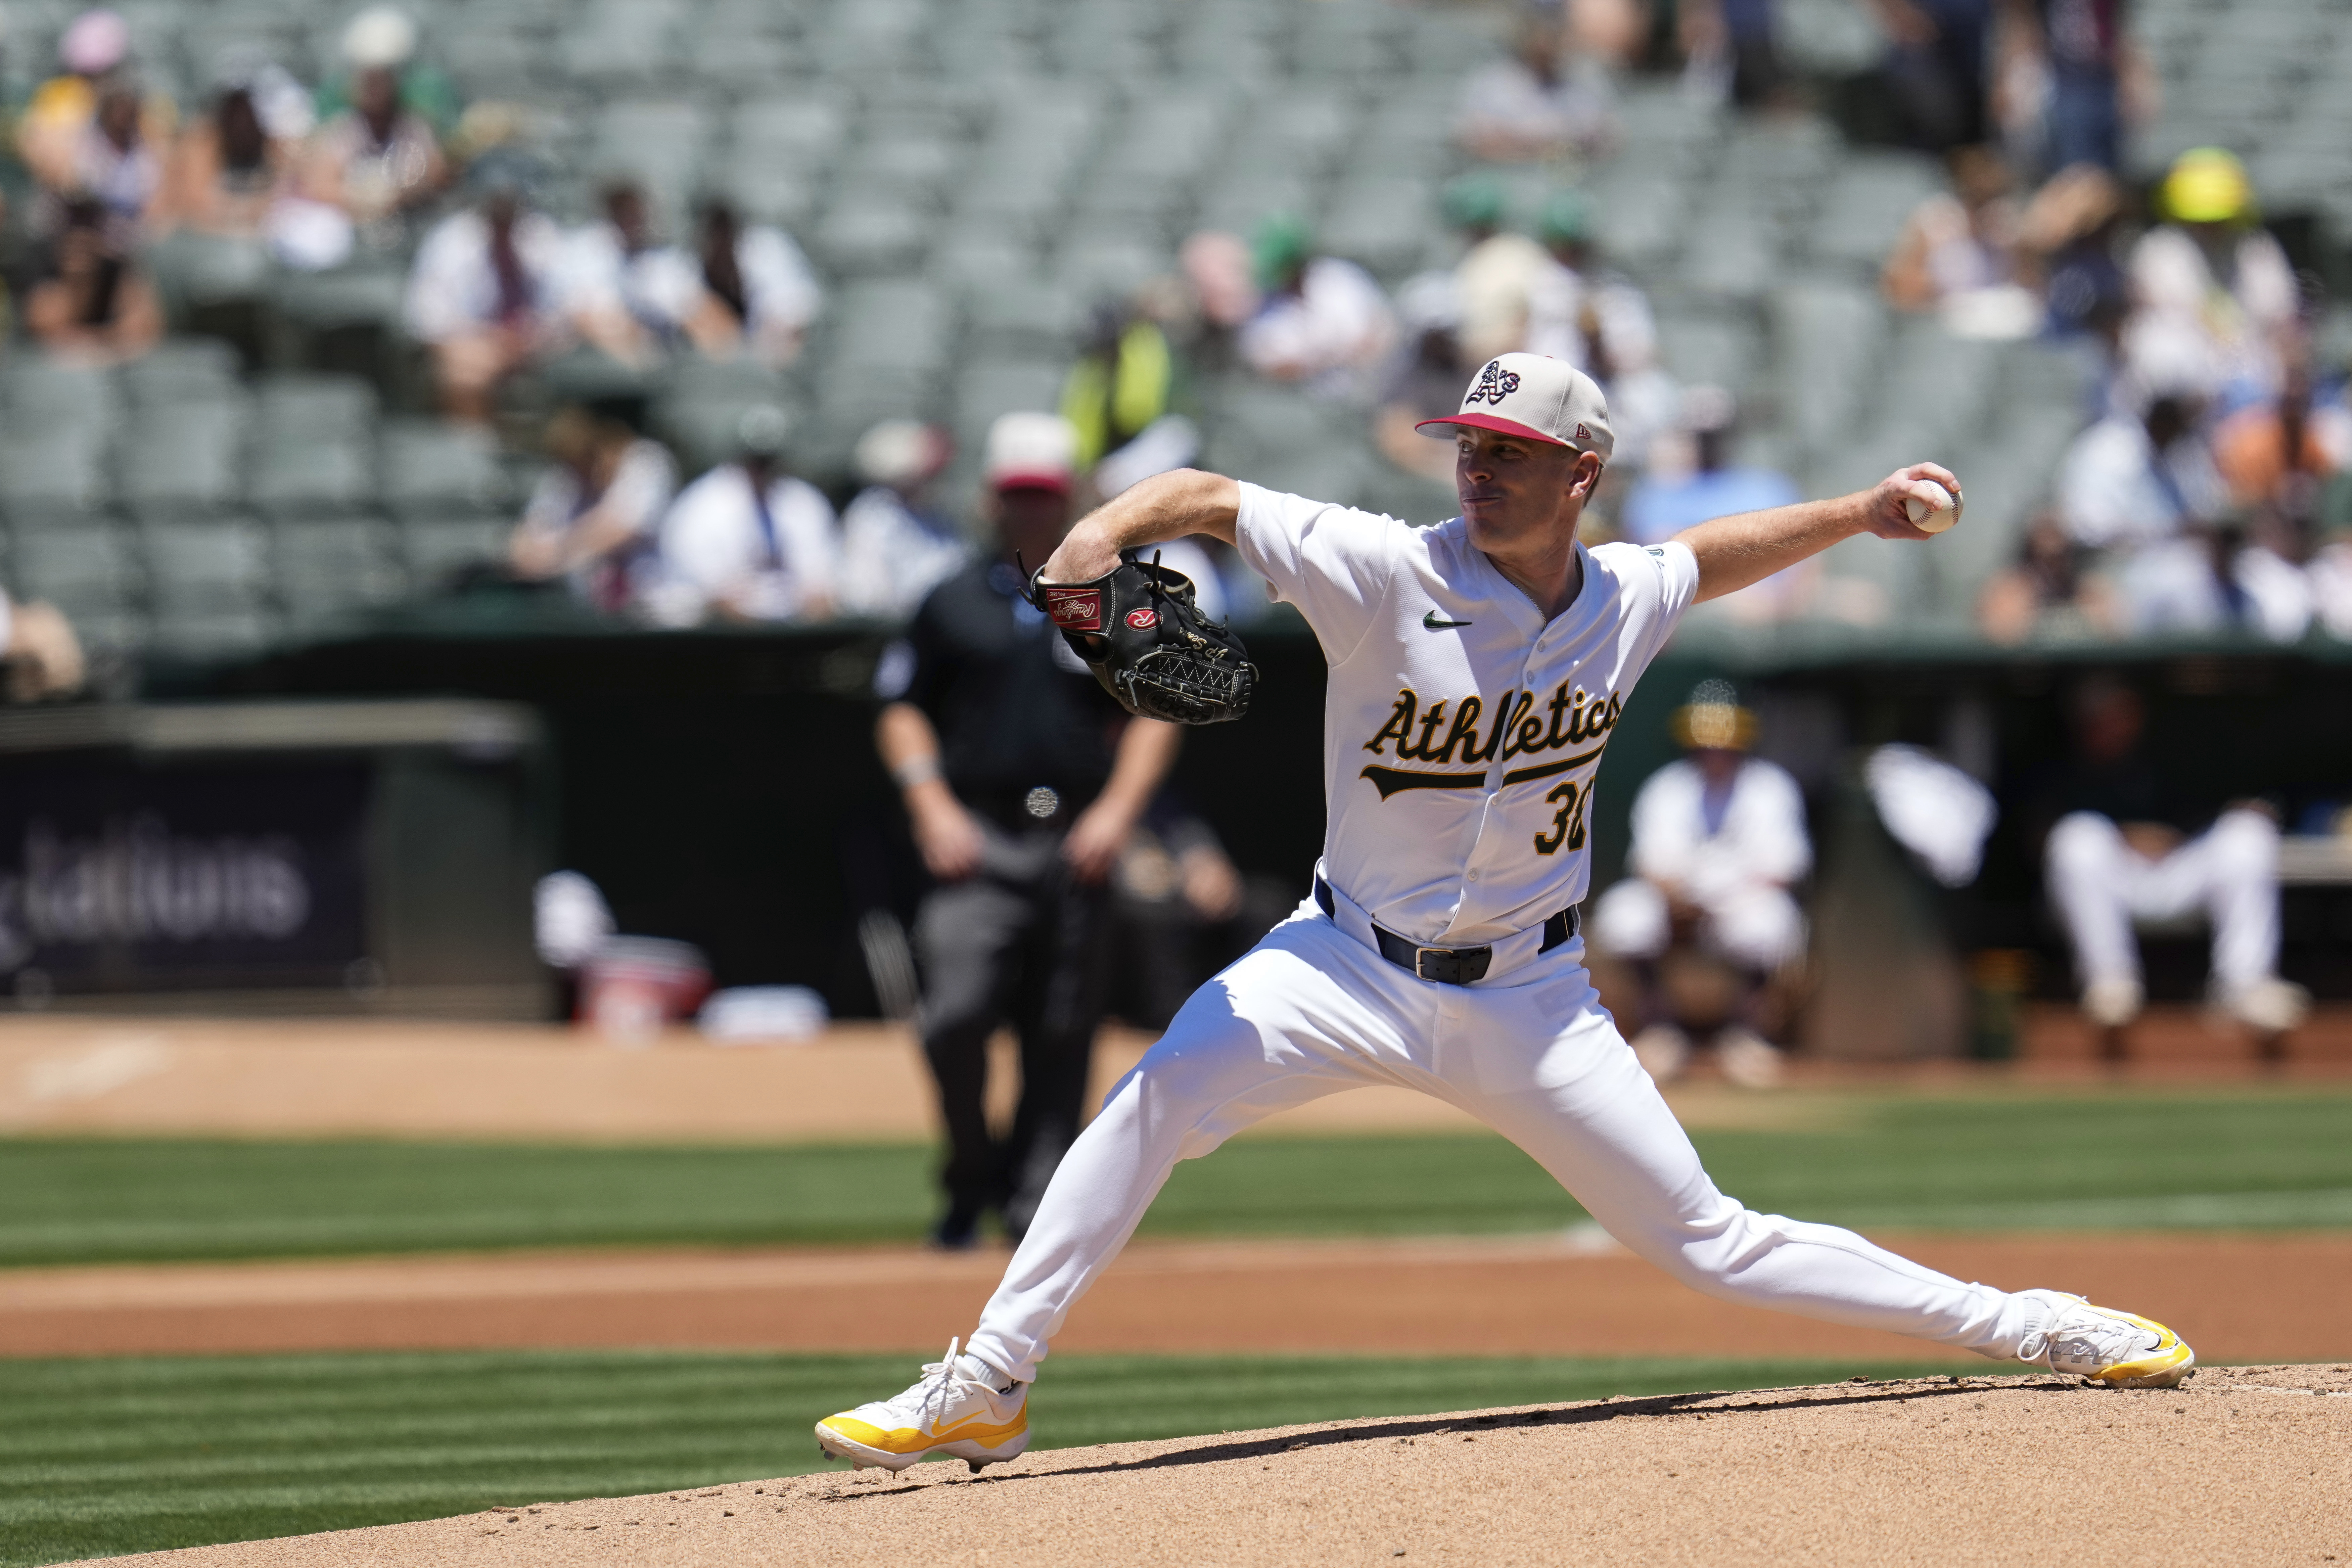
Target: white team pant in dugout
1311,1011
2101,884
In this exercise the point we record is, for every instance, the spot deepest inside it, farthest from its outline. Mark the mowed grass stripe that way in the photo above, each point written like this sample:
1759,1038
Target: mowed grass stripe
112,1456
2244,1159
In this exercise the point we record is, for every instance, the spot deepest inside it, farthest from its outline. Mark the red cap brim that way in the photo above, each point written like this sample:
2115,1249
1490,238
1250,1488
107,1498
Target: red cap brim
1031,480
1497,423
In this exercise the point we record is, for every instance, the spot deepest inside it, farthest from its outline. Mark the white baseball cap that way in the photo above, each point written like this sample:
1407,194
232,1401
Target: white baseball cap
1032,451
1534,396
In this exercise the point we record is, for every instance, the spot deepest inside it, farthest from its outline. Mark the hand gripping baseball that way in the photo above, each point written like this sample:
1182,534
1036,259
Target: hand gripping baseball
1139,631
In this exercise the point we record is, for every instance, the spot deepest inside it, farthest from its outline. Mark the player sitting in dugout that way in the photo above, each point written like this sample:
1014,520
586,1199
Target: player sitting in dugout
1705,916
1476,671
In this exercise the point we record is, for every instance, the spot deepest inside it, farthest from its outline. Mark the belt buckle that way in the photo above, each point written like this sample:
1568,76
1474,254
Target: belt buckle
1445,956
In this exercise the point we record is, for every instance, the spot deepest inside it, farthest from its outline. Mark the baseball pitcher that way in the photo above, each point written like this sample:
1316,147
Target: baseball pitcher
1477,670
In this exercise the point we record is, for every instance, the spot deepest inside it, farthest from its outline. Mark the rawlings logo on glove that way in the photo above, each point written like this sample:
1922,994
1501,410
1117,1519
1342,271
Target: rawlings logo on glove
1149,644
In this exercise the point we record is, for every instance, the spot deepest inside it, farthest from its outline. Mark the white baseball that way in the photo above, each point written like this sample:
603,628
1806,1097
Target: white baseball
1936,517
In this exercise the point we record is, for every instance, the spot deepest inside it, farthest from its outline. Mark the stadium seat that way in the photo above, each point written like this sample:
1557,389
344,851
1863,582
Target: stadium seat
433,469
209,584
437,551
1866,207
85,570
989,388
329,569
184,458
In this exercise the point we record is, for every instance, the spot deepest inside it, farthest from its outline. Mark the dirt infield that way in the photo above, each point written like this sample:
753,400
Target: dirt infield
2236,1297
386,1078
2250,1465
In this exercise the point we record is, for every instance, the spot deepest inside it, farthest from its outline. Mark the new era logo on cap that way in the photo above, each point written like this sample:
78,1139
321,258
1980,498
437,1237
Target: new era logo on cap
1537,397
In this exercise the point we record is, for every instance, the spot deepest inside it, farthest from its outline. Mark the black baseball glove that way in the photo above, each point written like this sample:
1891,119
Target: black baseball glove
1148,642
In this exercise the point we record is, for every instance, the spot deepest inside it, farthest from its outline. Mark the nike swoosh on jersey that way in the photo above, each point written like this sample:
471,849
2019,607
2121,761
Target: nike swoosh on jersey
1429,623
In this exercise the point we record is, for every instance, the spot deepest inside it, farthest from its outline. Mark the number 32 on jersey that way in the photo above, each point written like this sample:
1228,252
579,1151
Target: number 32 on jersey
1568,823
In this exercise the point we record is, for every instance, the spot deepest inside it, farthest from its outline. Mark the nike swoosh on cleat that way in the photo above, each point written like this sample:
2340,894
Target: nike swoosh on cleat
1429,623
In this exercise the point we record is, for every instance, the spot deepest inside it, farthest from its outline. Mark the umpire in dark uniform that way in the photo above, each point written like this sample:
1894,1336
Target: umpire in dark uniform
1023,780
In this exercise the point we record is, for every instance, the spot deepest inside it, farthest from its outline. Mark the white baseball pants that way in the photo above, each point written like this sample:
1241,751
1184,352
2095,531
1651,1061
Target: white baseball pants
1757,924
1311,1011
2101,884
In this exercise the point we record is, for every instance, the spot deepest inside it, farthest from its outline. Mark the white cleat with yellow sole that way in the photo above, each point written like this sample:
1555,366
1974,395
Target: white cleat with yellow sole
948,1414
2121,1349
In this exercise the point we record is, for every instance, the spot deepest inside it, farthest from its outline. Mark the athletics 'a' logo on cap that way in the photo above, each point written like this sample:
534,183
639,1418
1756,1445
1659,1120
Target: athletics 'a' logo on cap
1495,384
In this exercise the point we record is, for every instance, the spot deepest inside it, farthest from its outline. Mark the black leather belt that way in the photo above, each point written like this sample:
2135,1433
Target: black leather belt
1447,966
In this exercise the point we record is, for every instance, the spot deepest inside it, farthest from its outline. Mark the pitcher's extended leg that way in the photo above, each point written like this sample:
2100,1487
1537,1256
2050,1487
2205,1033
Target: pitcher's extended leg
1593,1118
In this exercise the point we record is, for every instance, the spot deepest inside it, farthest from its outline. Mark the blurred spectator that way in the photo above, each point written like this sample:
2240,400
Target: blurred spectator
113,167
89,302
1496,274
2048,594
227,171
1957,254
2216,577
51,131
2279,452
2070,227
384,38
42,655
748,541
896,545
2330,576
1692,479
2131,481
1427,383
755,291
1729,52
1542,102
1705,913
2124,846
1600,321
378,159
2071,78
1322,321
1023,782
1122,397
738,291
614,287
486,288
1936,68
2215,298
592,518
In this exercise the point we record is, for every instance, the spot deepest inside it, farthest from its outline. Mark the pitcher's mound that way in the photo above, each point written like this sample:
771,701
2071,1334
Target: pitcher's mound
2239,1465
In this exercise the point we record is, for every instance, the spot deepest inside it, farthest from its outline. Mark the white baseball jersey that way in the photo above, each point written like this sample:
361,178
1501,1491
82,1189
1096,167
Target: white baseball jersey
1462,730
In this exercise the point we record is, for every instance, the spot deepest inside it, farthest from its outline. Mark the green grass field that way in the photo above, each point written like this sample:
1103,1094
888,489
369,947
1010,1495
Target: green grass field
2235,1159
134,1455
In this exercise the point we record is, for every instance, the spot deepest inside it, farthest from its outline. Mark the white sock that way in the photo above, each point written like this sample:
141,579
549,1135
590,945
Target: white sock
973,1370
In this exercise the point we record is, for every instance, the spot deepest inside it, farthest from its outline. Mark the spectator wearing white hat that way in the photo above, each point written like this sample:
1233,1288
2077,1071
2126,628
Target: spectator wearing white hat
895,547
378,159
749,541
1023,783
